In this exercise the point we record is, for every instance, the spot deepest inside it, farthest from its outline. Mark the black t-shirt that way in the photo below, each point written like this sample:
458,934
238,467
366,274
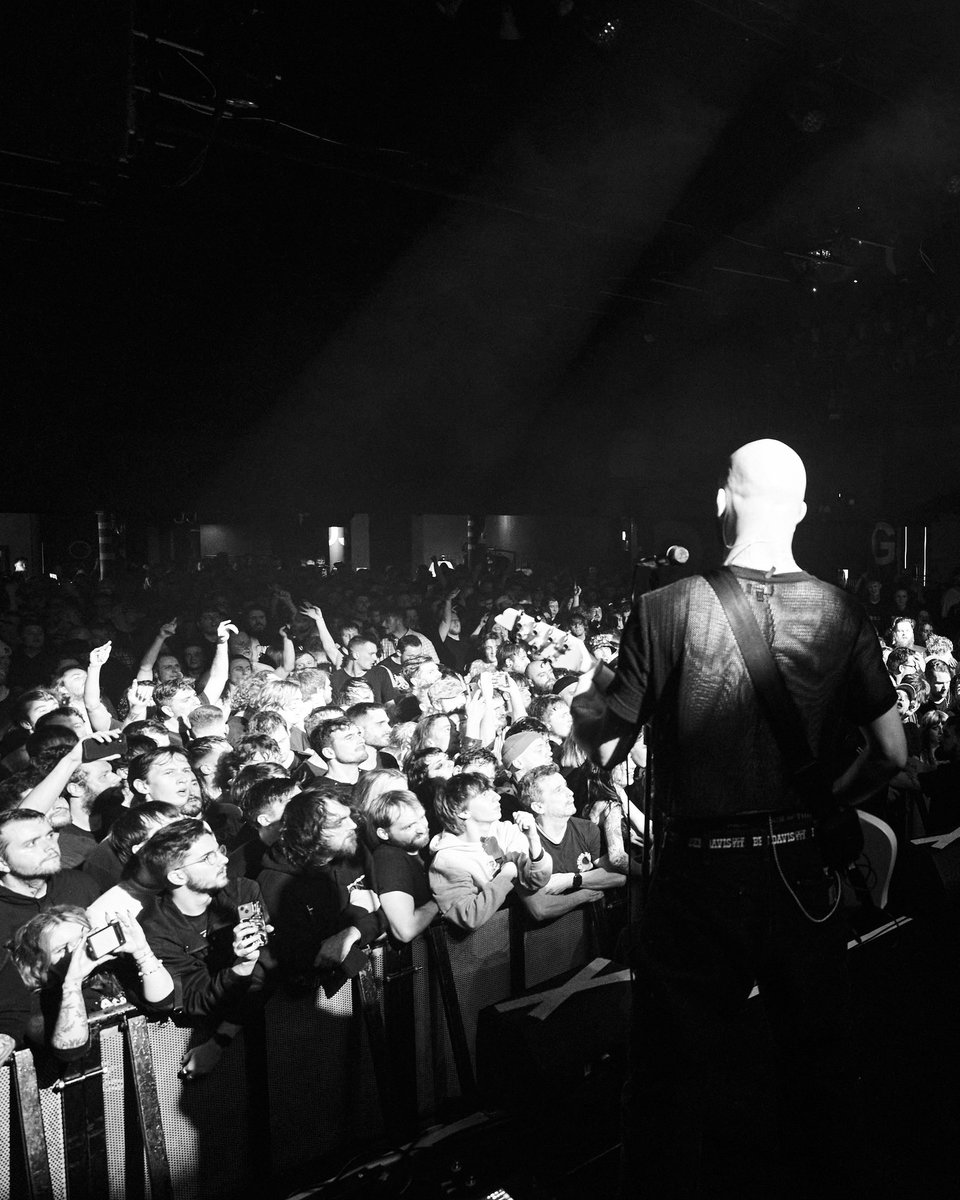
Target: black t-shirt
105,810
579,849
879,616
342,791
381,680
103,866
396,870
226,821
246,857
76,845
716,753
378,679
456,654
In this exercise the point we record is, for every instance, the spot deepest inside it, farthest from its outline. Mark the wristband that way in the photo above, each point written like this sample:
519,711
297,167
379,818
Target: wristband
538,857
577,881
223,1040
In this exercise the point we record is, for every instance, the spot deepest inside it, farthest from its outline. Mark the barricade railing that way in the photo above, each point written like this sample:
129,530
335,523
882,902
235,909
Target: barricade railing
314,1077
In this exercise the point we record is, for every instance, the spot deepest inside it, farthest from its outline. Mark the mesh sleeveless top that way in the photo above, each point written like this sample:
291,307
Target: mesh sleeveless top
680,665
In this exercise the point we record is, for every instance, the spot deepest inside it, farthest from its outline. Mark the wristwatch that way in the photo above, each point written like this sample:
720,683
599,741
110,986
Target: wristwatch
577,881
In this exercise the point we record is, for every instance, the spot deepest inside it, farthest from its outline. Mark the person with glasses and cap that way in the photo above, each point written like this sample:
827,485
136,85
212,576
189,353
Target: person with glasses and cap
218,959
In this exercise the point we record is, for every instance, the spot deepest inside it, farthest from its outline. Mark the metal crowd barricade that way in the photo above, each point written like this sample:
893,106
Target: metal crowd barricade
317,1076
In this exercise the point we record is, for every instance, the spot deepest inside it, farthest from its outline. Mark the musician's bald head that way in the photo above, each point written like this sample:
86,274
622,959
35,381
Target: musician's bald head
764,490
767,472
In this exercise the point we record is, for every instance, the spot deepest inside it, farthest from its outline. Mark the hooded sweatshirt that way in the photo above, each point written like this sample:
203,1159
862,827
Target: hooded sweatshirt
465,876
308,906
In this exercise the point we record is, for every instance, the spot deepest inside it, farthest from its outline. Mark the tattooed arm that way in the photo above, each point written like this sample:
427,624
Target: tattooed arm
71,1031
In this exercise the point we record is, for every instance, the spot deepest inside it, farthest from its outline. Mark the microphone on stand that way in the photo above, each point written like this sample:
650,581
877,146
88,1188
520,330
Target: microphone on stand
673,554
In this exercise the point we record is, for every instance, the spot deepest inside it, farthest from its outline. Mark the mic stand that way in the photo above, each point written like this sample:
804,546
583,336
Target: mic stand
654,578
651,827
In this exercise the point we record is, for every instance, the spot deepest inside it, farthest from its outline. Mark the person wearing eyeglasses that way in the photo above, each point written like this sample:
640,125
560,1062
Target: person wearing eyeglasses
219,962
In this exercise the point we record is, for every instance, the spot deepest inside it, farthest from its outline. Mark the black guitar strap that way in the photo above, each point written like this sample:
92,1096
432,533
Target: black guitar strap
777,703
838,826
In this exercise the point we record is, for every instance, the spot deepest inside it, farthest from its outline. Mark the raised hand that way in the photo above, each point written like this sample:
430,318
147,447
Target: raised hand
139,694
100,654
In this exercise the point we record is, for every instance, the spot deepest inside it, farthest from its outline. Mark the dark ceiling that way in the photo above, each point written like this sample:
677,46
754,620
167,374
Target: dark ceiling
377,255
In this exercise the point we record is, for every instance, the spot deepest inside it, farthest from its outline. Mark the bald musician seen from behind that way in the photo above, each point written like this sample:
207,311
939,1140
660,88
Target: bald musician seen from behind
740,893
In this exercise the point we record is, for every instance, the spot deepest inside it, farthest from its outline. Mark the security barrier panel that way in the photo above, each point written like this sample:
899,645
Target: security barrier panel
317,1076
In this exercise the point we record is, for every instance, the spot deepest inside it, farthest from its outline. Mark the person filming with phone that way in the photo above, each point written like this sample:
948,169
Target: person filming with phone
73,971
210,932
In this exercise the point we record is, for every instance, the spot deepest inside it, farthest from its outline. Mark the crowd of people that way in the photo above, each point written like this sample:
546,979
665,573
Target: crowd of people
922,799
211,790
205,797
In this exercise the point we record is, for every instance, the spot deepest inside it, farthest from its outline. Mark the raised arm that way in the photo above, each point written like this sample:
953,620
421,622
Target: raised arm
97,711
44,796
167,630
139,694
605,737
481,720
220,668
289,651
71,1031
330,647
443,628
280,599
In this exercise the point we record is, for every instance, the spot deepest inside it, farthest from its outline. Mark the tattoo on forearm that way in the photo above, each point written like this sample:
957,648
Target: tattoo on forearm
71,1029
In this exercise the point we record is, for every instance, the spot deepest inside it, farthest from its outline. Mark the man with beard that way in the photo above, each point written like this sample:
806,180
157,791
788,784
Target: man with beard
397,828
51,795
165,775
316,881
88,781
31,880
540,676
254,625
193,925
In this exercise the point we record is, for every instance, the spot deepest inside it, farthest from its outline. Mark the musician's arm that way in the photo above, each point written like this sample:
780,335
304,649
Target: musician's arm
884,754
606,737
